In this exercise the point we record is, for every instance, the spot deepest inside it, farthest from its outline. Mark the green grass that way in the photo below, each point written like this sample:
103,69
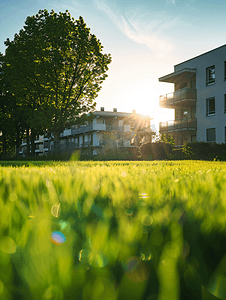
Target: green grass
132,230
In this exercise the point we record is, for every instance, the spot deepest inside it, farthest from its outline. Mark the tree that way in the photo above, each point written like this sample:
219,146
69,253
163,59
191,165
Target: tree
56,68
158,150
166,138
11,116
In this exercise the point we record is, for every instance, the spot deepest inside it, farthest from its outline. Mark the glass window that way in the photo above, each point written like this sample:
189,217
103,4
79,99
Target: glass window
211,135
185,113
210,75
193,138
210,106
225,70
193,111
177,114
224,103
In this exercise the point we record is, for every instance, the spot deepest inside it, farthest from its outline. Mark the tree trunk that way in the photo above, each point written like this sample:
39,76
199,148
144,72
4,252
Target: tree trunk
56,142
28,142
4,145
57,134
32,143
17,142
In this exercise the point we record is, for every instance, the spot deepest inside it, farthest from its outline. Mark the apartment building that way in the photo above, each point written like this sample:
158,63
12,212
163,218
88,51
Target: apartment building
107,129
199,99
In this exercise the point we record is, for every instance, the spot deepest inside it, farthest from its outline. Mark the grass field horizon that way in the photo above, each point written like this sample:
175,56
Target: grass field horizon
112,230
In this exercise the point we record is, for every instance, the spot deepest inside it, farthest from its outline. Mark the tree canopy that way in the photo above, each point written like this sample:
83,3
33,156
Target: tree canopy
55,67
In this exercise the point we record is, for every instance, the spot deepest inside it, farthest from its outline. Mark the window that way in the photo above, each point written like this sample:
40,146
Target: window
193,138
177,114
210,107
183,85
210,75
211,135
224,103
193,111
185,113
225,135
225,70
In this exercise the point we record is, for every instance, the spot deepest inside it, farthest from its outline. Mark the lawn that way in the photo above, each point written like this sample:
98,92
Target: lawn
113,230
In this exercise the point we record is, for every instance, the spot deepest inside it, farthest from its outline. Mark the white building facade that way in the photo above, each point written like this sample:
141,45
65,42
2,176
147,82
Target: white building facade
199,99
106,130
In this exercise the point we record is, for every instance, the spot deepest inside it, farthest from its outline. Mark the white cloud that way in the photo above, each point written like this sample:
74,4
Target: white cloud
140,30
156,44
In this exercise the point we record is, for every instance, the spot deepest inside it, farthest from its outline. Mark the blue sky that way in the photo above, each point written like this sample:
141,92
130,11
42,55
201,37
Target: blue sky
146,39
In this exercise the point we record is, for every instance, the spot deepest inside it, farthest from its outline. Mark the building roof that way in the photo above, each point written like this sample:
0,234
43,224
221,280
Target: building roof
118,114
172,77
201,54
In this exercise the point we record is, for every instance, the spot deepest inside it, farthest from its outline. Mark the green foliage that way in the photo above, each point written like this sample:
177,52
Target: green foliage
167,138
11,116
56,68
204,151
177,154
159,150
120,153
113,230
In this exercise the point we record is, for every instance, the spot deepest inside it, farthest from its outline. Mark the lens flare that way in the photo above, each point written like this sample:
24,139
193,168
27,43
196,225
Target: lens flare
84,256
57,238
145,254
136,270
56,210
147,220
12,197
31,216
64,225
7,245
144,196
99,261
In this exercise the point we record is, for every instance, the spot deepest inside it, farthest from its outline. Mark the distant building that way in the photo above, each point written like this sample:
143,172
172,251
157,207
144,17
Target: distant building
199,99
107,129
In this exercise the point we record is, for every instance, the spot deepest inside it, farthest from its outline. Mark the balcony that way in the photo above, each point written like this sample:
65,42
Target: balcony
111,128
179,75
102,143
87,143
82,129
180,98
176,125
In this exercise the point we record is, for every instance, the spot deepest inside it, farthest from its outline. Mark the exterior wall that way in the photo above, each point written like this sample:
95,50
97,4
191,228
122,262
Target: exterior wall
96,137
126,128
216,57
80,140
90,137
99,126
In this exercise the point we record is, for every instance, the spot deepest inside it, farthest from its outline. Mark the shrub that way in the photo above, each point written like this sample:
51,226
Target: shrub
177,154
204,151
157,151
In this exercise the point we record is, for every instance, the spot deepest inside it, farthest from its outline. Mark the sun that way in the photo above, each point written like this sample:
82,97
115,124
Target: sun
144,98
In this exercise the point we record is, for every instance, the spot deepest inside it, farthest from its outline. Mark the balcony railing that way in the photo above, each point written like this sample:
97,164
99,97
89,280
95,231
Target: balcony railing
111,127
81,129
88,143
189,124
178,97
102,143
